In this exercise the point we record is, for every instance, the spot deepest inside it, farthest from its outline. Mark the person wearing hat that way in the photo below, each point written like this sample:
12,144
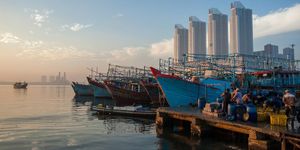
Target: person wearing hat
289,102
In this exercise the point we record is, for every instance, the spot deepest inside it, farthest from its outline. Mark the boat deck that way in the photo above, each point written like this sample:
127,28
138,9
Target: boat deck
259,133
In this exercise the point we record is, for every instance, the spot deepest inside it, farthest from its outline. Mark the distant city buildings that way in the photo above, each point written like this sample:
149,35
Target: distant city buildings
59,79
217,33
197,36
241,29
51,78
43,79
180,42
289,53
272,51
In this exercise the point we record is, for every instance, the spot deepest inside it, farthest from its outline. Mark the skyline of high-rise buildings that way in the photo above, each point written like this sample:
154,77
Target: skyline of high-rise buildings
217,32
239,40
197,36
241,29
180,42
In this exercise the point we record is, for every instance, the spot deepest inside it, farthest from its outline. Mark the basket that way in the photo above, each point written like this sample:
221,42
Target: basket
280,120
262,116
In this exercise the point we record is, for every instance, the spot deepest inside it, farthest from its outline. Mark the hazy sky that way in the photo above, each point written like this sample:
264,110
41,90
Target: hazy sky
47,36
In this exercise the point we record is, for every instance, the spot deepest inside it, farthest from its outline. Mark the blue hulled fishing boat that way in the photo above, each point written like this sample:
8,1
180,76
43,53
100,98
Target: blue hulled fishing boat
98,88
82,89
181,92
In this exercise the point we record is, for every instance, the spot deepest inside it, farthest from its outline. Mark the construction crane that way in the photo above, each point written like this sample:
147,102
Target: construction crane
293,45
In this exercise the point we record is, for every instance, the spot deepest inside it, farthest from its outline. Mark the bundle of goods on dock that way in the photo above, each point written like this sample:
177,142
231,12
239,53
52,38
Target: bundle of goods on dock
213,109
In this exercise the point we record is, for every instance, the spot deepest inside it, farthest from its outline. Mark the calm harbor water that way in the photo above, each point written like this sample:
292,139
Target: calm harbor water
49,117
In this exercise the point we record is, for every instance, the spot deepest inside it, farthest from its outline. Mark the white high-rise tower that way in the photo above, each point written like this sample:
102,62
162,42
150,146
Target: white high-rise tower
180,42
217,32
197,36
241,29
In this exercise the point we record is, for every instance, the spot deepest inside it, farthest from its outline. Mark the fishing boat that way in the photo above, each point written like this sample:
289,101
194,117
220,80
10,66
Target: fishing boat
125,93
20,85
129,111
277,78
155,93
181,92
98,88
82,89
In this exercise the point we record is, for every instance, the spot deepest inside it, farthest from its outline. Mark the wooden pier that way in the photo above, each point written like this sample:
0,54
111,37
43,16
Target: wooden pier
260,135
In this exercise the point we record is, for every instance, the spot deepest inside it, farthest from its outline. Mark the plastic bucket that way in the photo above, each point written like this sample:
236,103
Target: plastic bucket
231,110
252,111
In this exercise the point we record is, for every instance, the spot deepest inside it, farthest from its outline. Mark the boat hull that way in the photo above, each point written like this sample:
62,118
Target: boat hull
20,85
180,92
99,89
82,89
124,97
154,92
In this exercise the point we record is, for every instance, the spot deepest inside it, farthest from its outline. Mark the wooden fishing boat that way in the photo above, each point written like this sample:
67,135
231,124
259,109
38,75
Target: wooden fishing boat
155,93
126,93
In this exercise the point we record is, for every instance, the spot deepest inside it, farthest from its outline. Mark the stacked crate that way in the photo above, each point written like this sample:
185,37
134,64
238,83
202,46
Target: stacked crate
212,109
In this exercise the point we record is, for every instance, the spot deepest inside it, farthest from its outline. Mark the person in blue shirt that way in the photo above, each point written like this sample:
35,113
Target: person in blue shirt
237,97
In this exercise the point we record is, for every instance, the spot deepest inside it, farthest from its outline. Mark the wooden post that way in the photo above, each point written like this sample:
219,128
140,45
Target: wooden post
159,120
283,144
257,141
198,128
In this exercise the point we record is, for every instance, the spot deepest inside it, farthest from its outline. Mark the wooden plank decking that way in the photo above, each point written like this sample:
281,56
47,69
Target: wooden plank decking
257,131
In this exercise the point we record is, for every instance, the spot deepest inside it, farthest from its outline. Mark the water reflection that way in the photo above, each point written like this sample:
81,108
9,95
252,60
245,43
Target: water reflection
20,92
121,125
103,101
82,100
50,117
171,140
61,90
177,141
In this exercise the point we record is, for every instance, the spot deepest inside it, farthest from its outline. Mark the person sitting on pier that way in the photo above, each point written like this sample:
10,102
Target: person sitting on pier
289,101
227,97
237,97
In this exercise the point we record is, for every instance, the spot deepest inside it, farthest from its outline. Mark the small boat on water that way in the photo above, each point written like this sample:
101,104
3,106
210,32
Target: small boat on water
20,85
98,88
181,92
129,111
82,89
127,93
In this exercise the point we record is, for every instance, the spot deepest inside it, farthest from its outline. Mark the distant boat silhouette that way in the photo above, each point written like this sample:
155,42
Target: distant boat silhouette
20,85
